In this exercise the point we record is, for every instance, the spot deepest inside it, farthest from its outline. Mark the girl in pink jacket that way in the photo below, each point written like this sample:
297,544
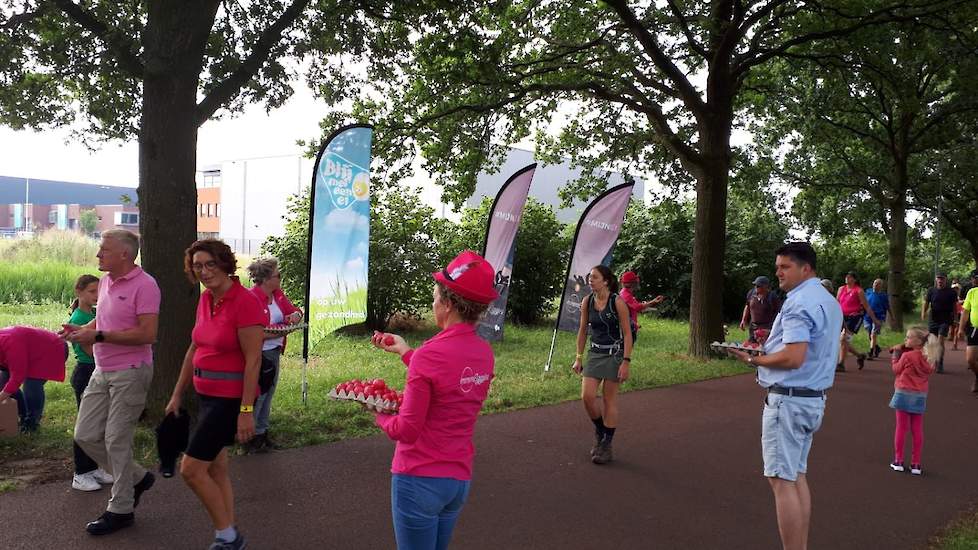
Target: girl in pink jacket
913,363
448,379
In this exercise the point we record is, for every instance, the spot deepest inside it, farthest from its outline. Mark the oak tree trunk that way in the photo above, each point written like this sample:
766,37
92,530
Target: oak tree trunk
709,241
173,42
897,252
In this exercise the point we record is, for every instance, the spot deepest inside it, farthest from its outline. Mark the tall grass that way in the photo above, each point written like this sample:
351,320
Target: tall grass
51,246
39,282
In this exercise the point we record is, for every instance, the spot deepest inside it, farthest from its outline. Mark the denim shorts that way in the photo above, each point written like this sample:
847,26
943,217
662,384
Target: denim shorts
787,427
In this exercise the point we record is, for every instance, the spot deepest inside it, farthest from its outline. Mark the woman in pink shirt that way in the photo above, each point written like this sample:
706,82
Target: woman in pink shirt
448,379
29,357
913,363
222,361
853,302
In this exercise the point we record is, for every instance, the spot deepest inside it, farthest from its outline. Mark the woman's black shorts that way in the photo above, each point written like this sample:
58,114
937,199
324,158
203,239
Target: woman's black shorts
217,424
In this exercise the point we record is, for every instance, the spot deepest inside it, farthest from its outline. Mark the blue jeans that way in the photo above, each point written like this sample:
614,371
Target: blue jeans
30,400
425,510
263,405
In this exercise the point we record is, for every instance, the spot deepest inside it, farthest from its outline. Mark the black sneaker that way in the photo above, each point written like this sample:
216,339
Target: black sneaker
877,351
144,484
861,360
840,368
237,544
110,522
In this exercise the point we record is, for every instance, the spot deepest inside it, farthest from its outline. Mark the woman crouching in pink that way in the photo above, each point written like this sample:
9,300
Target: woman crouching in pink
448,379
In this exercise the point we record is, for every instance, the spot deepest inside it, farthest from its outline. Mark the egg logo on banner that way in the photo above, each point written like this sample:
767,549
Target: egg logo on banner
470,380
337,174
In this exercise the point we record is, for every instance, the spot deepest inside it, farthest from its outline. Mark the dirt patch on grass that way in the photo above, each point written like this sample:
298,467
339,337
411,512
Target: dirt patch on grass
20,473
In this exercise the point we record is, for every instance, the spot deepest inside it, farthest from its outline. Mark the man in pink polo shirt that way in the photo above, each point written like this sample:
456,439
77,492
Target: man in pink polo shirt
123,333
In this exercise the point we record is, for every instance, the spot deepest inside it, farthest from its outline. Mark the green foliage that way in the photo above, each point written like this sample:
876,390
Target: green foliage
292,248
88,221
657,243
402,257
39,282
540,262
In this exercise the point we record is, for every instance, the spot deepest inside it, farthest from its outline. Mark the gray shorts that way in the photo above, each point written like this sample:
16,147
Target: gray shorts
788,426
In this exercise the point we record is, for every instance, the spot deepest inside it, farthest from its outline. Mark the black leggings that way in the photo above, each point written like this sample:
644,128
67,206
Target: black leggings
79,381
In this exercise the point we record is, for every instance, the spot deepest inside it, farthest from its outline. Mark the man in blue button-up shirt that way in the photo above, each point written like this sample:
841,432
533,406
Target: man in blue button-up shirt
797,368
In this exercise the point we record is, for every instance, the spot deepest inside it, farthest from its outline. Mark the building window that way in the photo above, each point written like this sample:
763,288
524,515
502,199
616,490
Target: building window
200,210
208,210
128,218
52,216
217,210
210,178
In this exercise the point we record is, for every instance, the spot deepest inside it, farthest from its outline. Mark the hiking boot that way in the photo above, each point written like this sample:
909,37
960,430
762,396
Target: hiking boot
110,522
236,544
877,350
897,466
85,482
861,360
603,454
915,469
141,487
840,368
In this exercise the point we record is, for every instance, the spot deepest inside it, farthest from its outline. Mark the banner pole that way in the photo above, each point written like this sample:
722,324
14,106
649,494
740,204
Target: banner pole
553,342
305,384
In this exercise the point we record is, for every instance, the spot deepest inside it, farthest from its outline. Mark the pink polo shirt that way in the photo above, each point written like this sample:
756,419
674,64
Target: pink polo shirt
120,303
448,379
216,338
28,352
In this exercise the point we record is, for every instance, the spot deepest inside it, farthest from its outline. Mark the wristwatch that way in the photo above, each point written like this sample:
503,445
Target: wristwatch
750,359
99,336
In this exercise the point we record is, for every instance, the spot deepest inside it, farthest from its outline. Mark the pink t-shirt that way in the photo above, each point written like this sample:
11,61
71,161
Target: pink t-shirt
849,300
448,379
912,371
634,306
31,353
120,303
216,338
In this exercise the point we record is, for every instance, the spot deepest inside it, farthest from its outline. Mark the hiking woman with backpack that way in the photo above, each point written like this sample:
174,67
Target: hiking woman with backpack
608,357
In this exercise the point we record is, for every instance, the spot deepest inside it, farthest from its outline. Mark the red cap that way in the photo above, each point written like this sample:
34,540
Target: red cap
470,276
628,277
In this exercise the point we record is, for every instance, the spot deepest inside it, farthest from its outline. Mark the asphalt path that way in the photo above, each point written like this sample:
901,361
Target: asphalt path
687,475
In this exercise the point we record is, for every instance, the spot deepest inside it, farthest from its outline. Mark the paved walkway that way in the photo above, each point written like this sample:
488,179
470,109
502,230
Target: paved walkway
687,475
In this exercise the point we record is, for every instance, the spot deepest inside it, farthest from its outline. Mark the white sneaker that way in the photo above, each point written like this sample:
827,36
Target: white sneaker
85,482
916,470
103,477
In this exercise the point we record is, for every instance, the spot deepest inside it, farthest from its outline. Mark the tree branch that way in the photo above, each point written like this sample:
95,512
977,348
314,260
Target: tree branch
121,48
231,86
684,25
689,94
19,19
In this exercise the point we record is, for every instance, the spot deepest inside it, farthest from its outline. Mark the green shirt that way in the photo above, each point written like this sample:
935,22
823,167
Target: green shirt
79,317
971,306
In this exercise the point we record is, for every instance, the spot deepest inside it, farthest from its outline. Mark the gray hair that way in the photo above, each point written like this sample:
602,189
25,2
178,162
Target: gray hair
261,269
127,238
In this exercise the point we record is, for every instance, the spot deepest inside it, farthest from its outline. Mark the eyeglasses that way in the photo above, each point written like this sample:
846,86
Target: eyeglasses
210,265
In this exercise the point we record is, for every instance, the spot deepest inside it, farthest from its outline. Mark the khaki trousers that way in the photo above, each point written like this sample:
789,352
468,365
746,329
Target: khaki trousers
107,416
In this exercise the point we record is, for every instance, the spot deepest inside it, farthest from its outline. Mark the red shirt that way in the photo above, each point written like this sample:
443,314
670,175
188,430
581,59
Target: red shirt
28,352
216,337
634,306
281,299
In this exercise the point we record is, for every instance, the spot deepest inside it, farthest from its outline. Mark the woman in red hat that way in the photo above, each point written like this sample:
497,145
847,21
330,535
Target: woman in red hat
630,281
608,358
448,379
